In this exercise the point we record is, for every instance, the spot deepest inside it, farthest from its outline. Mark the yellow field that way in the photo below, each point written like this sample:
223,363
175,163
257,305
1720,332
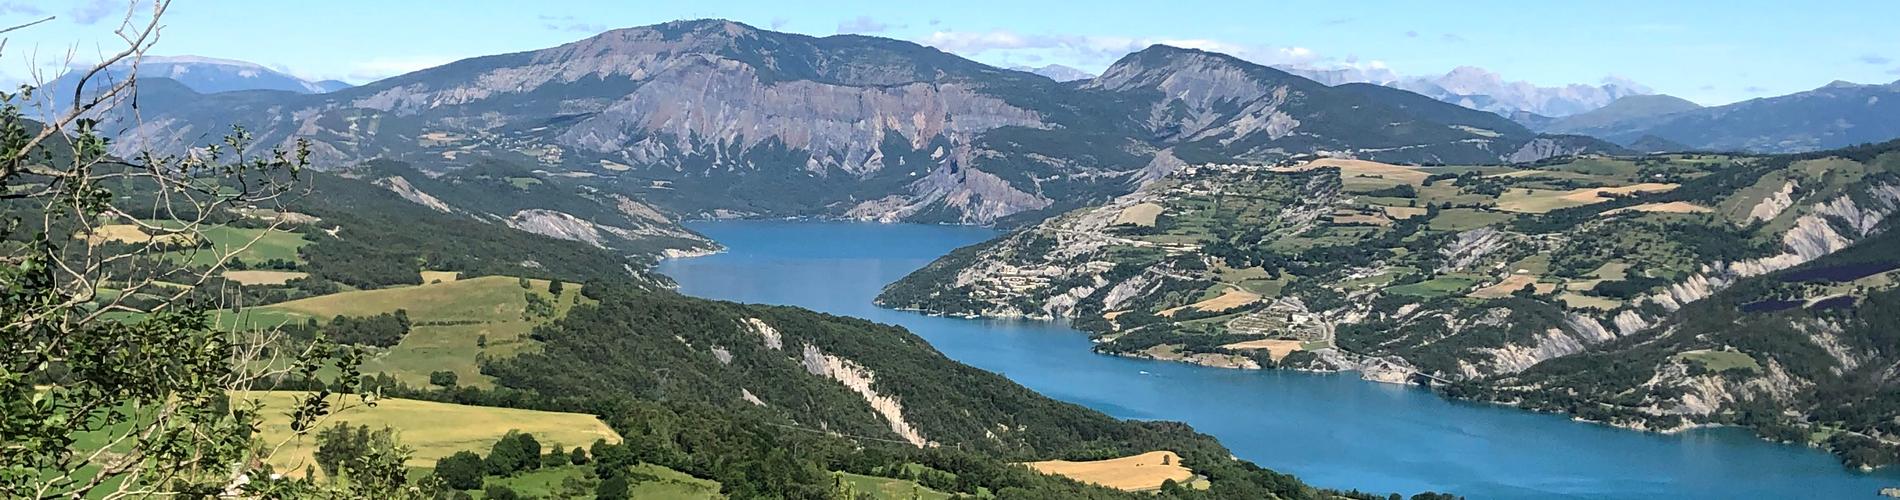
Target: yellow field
1142,214
1276,348
1583,301
127,233
1593,195
1674,207
1229,300
1538,201
1350,168
433,430
1132,473
440,276
1402,212
487,297
1511,284
258,277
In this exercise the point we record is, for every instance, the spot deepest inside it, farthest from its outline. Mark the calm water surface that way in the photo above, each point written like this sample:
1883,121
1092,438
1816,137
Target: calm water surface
1330,430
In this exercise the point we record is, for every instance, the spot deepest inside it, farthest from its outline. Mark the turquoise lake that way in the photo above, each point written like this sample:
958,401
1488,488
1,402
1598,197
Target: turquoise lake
1331,430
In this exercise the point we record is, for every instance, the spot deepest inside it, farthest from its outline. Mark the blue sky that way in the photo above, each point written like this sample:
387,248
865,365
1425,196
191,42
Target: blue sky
1709,52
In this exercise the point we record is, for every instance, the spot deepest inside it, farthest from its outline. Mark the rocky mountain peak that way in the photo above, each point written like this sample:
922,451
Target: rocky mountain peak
1161,66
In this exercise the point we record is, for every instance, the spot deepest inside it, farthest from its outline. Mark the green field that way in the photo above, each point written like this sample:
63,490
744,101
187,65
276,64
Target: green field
1719,361
451,319
665,484
1465,219
1437,287
264,245
884,488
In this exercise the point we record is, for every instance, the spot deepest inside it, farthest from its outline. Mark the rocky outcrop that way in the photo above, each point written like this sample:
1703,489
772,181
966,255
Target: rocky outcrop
1470,247
768,335
1772,205
401,187
558,225
861,381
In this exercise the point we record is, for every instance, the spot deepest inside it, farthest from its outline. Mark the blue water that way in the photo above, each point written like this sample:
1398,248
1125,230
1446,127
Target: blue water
1330,430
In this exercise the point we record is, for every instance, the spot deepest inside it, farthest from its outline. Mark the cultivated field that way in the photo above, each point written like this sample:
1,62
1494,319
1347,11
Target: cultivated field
1276,348
1721,360
1131,473
1362,169
433,430
440,276
129,233
262,277
1674,207
1511,284
1230,299
1465,219
454,321
884,488
1141,214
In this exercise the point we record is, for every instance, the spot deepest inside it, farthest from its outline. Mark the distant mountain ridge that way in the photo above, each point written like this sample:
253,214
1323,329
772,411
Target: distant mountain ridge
1624,110
1057,72
208,75
1477,88
1836,115
713,118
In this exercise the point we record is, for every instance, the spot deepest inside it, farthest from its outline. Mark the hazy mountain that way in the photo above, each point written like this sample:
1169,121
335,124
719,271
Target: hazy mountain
719,119
1480,89
1057,72
205,75
1836,115
1624,110
1477,88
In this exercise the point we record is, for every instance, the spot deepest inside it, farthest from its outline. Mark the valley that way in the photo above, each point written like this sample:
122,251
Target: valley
701,258
1326,428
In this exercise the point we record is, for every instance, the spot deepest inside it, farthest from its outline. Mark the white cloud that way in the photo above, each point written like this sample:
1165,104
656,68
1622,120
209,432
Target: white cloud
91,11
1102,49
20,8
863,24
1875,59
972,43
570,23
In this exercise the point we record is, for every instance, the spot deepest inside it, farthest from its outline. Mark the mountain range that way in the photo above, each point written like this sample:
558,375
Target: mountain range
1477,88
1836,115
1057,72
713,118
204,75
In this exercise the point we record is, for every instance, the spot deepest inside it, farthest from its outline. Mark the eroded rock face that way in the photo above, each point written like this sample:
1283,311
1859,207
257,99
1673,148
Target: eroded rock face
1814,235
726,103
861,380
1472,246
1772,205
402,188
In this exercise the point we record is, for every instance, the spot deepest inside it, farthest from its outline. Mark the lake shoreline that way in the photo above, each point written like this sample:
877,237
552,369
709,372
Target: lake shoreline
1328,428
